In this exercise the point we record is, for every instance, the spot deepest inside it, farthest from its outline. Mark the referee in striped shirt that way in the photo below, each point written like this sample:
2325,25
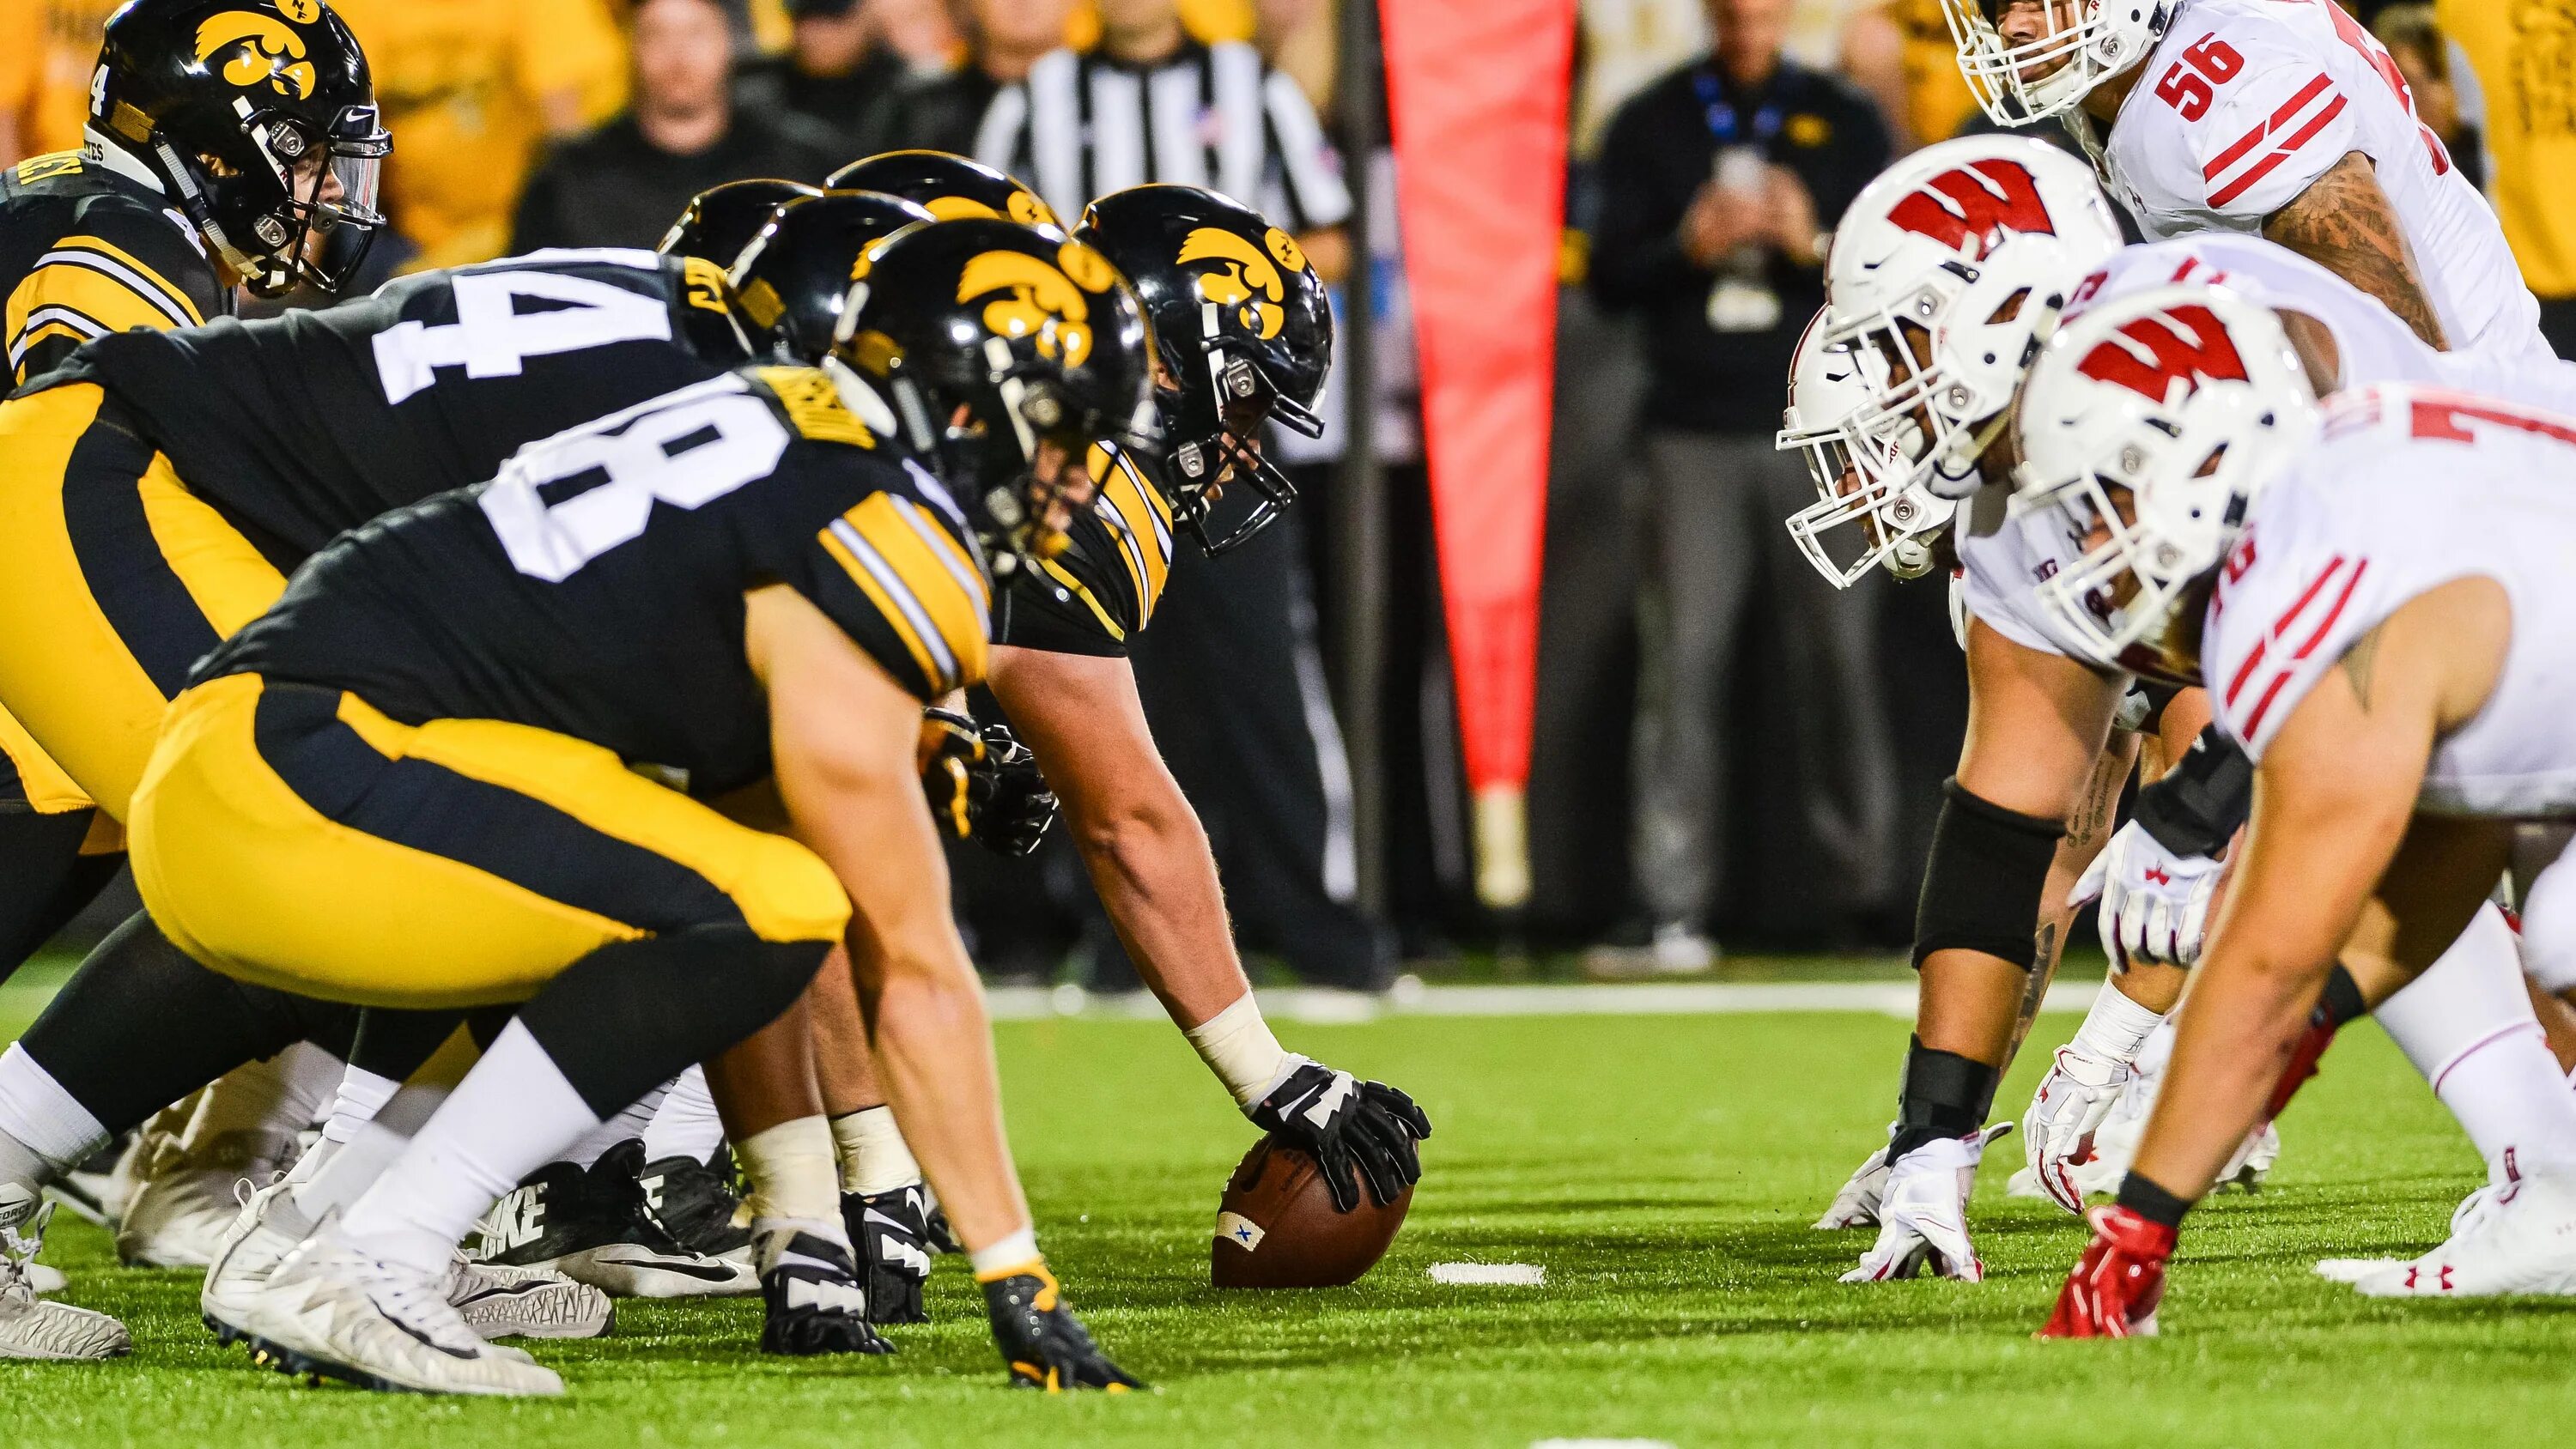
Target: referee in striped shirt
1230,677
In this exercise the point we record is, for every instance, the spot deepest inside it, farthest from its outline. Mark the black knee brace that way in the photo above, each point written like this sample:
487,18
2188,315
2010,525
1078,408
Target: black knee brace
634,1014
1981,887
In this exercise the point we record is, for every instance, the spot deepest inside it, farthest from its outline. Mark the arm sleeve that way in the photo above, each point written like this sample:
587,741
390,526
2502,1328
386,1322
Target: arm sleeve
1636,243
1309,168
894,576
2275,131
119,267
2200,803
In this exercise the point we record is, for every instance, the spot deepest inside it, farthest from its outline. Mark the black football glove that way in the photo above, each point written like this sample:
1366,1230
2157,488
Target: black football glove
813,1301
1344,1122
1013,807
893,1259
1046,1347
951,753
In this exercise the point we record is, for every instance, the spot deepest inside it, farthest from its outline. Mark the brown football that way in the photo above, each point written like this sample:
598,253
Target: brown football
1276,1228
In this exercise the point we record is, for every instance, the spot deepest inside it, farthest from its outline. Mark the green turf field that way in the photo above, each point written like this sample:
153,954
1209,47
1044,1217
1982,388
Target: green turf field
1663,1170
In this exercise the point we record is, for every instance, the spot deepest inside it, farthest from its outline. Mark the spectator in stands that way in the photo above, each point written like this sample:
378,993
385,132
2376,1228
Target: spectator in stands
1718,184
838,74
621,185
473,90
1901,53
1003,39
2522,57
2415,41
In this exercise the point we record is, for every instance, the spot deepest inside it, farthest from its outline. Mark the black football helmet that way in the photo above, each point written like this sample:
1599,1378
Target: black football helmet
952,187
1243,332
795,275
721,220
248,114
989,339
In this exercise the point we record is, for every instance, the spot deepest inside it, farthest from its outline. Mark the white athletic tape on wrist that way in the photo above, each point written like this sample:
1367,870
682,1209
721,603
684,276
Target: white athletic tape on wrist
1238,1046
2116,1026
1017,1250
793,1170
874,1156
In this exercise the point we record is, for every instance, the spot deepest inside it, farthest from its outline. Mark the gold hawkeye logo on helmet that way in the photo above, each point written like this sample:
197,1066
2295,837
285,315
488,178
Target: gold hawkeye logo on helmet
1043,303
269,51
1248,281
1025,207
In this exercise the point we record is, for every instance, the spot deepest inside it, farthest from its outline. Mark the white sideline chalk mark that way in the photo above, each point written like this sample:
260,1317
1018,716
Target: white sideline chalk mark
1340,1008
1497,1275
1602,1444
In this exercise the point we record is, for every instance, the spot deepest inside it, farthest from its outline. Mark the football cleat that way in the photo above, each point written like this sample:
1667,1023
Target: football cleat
1046,1347
2463,1218
593,1226
498,1302
695,1202
33,1328
96,1191
333,1312
180,1213
1856,1206
810,1286
1923,1219
2520,1240
891,1231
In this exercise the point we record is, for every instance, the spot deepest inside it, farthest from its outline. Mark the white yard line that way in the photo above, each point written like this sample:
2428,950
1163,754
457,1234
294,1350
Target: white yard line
1707,998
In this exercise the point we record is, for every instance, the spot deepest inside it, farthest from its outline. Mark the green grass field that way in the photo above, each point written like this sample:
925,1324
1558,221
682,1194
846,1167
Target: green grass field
1663,1170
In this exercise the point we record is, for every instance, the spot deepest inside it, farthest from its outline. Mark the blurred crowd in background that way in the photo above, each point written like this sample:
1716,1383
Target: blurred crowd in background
1728,750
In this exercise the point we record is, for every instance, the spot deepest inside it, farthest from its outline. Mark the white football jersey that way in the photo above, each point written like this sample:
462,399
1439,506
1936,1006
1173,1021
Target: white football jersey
2371,344
2407,489
2245,103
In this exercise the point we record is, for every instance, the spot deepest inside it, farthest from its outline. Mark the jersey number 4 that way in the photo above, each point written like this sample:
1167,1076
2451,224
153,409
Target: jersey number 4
687,450
491,337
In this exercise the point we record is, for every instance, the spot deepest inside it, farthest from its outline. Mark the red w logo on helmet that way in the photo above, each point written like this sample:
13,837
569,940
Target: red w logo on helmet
2184,345
1986,199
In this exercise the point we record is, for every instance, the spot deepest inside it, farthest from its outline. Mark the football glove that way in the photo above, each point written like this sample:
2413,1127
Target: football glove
2155,904
2079,1091
1923,1220
889,1230
810,1289
1856,1206
952,750
1046,1347
1343,1122
2114,1289
983,784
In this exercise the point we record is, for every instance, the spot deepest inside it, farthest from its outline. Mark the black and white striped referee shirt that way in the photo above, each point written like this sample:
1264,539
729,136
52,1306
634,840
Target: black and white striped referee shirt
1084,125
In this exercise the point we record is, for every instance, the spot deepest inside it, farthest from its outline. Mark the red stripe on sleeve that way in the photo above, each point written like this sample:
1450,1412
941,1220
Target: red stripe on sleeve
2270,163
2237,150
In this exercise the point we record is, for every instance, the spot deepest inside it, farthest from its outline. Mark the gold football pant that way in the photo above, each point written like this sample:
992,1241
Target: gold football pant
114,581
294,837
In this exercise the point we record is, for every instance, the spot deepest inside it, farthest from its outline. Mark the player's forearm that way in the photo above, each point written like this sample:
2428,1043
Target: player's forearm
1150,862
2248,1012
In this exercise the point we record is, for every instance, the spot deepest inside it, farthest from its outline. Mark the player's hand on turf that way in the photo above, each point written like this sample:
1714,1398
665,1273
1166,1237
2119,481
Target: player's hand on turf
1044,1345
2155,904
1013,808
1856,1206
2114,1289
891,1231
2077,1093
1923,1220
1344,1123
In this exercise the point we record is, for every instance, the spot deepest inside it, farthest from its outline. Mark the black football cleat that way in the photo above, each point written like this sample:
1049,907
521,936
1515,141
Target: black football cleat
891,1231
815,1304
594,1227
1044,1345
696,1203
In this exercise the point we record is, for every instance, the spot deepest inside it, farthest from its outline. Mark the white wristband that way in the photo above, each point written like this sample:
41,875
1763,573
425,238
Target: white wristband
1238,1046
1017,1253
2116,1026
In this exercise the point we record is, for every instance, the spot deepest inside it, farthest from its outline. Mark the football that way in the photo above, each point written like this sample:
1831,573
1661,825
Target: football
1276,1228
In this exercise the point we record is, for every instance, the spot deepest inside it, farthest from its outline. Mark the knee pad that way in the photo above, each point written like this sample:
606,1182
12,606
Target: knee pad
1981,887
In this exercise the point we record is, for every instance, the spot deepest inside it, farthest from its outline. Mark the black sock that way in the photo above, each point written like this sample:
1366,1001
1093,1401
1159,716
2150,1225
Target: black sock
634,1014
2142,1196
44,879
140,1025
1945,1095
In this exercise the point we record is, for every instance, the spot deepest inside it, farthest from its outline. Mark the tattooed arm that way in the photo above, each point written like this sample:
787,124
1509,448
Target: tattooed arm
2345,223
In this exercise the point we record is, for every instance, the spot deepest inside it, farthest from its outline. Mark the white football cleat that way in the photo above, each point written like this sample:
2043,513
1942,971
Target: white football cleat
498,1302
333,1311
1923,1220
1856,1206
187,1203
33,1328
2466,1216
2522,1241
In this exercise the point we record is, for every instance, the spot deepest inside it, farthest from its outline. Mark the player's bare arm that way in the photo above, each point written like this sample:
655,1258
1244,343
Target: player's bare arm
2334,799
2345,223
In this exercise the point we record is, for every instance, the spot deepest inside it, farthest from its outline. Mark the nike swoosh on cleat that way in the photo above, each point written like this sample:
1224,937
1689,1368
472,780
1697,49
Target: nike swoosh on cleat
416,1335
672,1265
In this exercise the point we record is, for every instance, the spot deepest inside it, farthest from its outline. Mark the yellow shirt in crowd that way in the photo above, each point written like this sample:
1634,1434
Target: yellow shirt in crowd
1937,99
2525,54
48,51
463,85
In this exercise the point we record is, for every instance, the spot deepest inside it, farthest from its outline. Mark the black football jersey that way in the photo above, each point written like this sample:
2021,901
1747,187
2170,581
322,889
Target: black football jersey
85,252
595,586
1096,596
303,425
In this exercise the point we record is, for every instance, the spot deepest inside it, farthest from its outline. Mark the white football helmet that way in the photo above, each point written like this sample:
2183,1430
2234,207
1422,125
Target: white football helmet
1952,267
1860,476
2078,45
2149,425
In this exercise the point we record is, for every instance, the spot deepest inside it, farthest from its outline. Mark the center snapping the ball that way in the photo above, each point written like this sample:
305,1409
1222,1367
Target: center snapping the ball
1276,1228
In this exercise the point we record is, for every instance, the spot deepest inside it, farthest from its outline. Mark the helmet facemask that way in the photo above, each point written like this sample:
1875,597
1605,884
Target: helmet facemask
1862,476
2086,42
1947,383
1216,423
289,206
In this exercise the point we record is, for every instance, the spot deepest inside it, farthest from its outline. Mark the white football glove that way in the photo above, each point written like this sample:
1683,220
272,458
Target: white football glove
1923,1221
1856,1206
2155,904
2079,1091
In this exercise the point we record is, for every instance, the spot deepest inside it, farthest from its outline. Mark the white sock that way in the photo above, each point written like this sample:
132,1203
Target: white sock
334,1174
626,1126
280,1096
355,1103
686,1124
792,1172
510,1116
45,1120
874,1157
2467,1025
